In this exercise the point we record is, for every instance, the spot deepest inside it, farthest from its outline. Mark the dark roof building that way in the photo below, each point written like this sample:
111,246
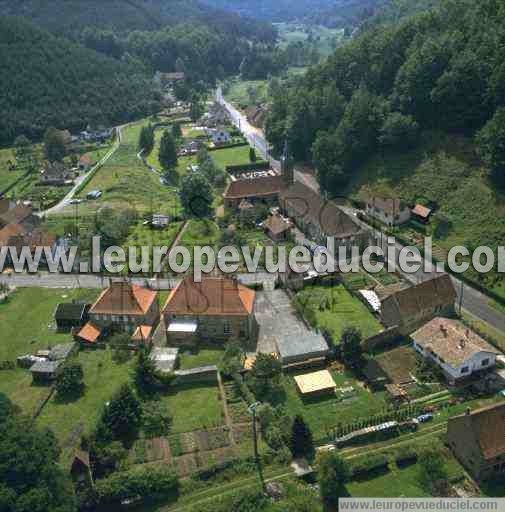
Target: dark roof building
263,190
70,314
302,349
478,441
45,371
412,307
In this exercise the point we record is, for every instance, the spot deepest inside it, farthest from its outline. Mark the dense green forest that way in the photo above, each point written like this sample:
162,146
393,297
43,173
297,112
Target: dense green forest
91,62
436,70
49,81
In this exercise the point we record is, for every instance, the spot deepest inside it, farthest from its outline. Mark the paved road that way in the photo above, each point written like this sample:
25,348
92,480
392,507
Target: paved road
49,280
68,198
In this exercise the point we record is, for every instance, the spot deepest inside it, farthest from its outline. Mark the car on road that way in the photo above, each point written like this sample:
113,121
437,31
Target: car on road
94,194
75,201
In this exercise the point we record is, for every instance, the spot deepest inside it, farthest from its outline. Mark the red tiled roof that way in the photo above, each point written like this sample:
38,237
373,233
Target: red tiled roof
142,333
253,188
89,333
17,214
85,159
213,296
276,224
389,205
123,298
421,211
8,232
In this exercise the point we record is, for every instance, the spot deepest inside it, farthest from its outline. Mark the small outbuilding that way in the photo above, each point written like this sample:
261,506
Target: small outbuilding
316,383
46,371
89,334
421,213
70,315
165,358
305,349
277,227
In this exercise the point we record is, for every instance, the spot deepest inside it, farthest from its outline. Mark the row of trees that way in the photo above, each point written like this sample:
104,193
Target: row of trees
436,70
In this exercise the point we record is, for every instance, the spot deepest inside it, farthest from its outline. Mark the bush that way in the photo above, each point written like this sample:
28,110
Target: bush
367,463
153,482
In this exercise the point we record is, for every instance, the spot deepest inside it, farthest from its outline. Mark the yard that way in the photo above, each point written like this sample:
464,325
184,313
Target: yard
126,182
193,407
231,156
245,93
335,309
7,177
200,357
69,420
324,413
26,323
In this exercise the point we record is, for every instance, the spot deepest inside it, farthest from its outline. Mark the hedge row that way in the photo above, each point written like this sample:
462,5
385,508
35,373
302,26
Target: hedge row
253,166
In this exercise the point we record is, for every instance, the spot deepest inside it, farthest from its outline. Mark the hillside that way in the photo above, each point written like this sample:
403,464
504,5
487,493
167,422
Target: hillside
71,17
381,93
47,80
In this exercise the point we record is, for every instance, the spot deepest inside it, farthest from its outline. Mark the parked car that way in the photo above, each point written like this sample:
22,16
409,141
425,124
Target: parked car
423,418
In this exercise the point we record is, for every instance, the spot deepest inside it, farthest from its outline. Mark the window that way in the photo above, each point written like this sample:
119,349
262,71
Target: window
227,328
465,369
485,362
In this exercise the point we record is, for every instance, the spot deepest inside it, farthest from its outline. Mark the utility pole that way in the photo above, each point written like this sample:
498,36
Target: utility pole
252,409
461,292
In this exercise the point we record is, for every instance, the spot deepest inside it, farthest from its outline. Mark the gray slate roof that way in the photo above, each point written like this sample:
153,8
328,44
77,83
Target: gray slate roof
61,352
69,311
301,344
46,366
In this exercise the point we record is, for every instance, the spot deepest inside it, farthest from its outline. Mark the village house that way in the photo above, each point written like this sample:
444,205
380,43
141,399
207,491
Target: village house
320,219
85,163
17,213
216,310
256,115
220,136
216,116
477,440
412,307
121,307
421,213
169,79
455,349
277,227
307,349
265,190
390,211
55,174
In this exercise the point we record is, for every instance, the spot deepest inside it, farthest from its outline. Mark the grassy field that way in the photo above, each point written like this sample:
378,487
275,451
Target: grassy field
245,93
335,309
71,419
26,324
325,39
194,406
326,412
6,176
202,357
442,171
231,156
126,182
200,232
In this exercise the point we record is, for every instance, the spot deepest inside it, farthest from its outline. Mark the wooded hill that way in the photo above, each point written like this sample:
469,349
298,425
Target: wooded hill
50,81
436,70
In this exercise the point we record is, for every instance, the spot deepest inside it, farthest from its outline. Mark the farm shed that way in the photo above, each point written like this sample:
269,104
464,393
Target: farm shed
315,383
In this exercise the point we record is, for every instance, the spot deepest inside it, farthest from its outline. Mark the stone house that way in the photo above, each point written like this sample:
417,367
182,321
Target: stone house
220,136
277,227
319,219
477,439
265,190
123,307
85,163
390,211
215,310
455,349
412,307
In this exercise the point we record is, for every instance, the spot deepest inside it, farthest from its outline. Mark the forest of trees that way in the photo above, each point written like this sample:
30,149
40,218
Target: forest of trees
435,70
95,64
49,81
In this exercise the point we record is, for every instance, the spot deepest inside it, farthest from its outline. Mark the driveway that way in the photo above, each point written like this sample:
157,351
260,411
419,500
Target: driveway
276,317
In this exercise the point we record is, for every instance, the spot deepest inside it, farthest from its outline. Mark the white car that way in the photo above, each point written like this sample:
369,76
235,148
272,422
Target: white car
75,201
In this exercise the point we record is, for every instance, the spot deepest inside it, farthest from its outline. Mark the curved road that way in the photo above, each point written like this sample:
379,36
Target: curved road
66,200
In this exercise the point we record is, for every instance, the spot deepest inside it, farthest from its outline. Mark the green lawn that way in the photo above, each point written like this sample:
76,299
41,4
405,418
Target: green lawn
326,412
231,156
203,357
6,176
26,324
70,419
200,232
194,406
335,309
126,182
244,93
